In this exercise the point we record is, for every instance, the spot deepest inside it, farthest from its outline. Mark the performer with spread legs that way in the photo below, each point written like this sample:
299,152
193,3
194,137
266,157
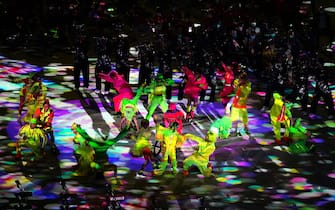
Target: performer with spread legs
157,95
200,157
171,140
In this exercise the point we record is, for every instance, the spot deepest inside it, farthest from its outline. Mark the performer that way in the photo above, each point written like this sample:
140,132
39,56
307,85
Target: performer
239,106
32,95
200,157
171,140
280,114
129,109
227,78
44,117
157,95
121,86
84,144
194,84
298,138
222,126
32,137
174,115
143,146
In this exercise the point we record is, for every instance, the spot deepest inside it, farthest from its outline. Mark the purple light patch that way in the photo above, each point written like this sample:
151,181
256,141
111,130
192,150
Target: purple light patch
243,164
280,196
248,174
317,140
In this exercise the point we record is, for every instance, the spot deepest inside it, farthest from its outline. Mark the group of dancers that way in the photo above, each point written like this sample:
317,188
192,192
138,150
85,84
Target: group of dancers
90,153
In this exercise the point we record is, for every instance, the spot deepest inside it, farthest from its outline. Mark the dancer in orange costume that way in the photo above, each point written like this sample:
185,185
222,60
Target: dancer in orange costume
239,107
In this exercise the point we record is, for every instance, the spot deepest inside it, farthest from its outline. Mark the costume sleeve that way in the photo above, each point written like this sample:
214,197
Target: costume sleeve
207,150
138,95
193,137
247,89
288,110
37,113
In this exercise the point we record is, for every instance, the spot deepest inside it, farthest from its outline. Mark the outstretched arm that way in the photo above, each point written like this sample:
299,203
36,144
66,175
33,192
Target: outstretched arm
193,137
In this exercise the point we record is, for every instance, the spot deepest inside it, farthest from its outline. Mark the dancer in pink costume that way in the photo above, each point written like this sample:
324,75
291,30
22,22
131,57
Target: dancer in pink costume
121,86
194,84
226,75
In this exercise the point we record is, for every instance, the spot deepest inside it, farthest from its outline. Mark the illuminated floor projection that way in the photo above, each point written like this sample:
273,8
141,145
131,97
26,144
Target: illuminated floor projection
249,171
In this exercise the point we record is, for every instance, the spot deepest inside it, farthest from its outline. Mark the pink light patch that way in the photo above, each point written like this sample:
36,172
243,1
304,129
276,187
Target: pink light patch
260,93
298,180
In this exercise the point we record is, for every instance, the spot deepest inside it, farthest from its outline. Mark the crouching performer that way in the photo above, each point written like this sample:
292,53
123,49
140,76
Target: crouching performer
129,109
200,157
223,126
298,139
91,153
32,137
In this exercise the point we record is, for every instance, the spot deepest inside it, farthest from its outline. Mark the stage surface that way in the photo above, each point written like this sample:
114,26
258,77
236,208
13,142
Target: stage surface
249,172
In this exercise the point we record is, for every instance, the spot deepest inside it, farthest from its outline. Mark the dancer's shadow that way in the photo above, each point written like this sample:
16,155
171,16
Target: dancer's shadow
92,109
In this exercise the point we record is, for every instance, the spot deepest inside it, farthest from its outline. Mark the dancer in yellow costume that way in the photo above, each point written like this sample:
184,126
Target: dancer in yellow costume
83,153
32,137
200,157
280,114
171,140
239,107
143,146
